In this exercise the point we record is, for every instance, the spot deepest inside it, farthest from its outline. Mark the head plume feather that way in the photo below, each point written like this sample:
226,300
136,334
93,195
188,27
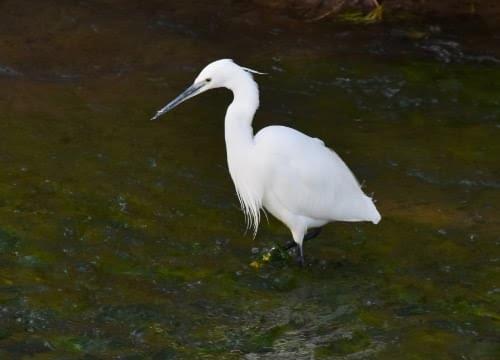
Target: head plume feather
253,71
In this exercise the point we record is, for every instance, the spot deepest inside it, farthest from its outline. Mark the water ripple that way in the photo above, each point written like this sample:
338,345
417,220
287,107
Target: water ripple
435,180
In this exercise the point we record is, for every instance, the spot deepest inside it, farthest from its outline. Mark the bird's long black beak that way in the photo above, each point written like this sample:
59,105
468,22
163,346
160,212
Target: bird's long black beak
191,91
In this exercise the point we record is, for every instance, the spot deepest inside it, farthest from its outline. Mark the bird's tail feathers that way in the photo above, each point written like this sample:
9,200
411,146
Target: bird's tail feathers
372,213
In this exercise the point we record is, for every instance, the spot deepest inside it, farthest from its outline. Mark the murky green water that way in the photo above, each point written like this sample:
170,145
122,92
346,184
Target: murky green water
121,238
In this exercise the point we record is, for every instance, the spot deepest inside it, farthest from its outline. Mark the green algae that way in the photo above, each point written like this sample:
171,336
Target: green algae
263,341
357,17
350,344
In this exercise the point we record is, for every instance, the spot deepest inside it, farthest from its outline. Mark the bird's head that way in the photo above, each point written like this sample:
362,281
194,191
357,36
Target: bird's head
217,74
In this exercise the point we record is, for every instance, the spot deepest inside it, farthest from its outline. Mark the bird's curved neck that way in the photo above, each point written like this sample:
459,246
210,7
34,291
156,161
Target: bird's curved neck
239,115
240,144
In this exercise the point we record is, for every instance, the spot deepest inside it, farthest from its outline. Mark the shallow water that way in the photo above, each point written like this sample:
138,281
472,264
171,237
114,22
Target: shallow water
122,238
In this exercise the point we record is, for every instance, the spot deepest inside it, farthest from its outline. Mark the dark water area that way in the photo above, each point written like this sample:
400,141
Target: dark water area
121,238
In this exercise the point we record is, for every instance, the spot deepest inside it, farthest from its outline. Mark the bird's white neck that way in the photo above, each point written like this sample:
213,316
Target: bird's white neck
239,115
239,146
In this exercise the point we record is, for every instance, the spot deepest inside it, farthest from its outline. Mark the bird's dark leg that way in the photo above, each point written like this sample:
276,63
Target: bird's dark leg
311,234
300,255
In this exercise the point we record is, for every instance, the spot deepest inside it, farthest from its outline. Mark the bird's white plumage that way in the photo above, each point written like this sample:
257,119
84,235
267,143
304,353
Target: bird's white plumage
293,176
309,179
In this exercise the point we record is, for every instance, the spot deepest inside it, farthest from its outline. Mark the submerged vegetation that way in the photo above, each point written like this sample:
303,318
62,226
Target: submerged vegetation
370,11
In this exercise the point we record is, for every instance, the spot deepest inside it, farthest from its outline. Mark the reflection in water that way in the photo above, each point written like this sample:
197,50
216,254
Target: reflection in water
122,238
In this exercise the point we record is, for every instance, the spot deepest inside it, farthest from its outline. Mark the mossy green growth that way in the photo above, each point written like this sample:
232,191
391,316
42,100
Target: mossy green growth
123,238
70,343
346,345
358,17
8,242
263,341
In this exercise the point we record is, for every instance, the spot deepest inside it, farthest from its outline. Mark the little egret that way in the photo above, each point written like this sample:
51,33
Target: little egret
294,177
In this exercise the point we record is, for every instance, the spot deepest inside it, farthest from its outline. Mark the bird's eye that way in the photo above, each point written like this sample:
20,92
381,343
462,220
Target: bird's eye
209,79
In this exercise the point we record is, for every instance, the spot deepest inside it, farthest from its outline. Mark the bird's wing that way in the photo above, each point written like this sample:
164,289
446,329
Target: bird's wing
309,178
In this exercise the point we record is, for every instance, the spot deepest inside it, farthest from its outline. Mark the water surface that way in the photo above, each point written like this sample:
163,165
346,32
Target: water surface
121,238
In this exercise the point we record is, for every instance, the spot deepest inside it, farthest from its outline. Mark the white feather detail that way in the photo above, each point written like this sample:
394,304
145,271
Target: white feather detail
253,71
250,203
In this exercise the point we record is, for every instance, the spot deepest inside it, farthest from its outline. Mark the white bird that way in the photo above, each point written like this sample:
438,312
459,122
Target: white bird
294,177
